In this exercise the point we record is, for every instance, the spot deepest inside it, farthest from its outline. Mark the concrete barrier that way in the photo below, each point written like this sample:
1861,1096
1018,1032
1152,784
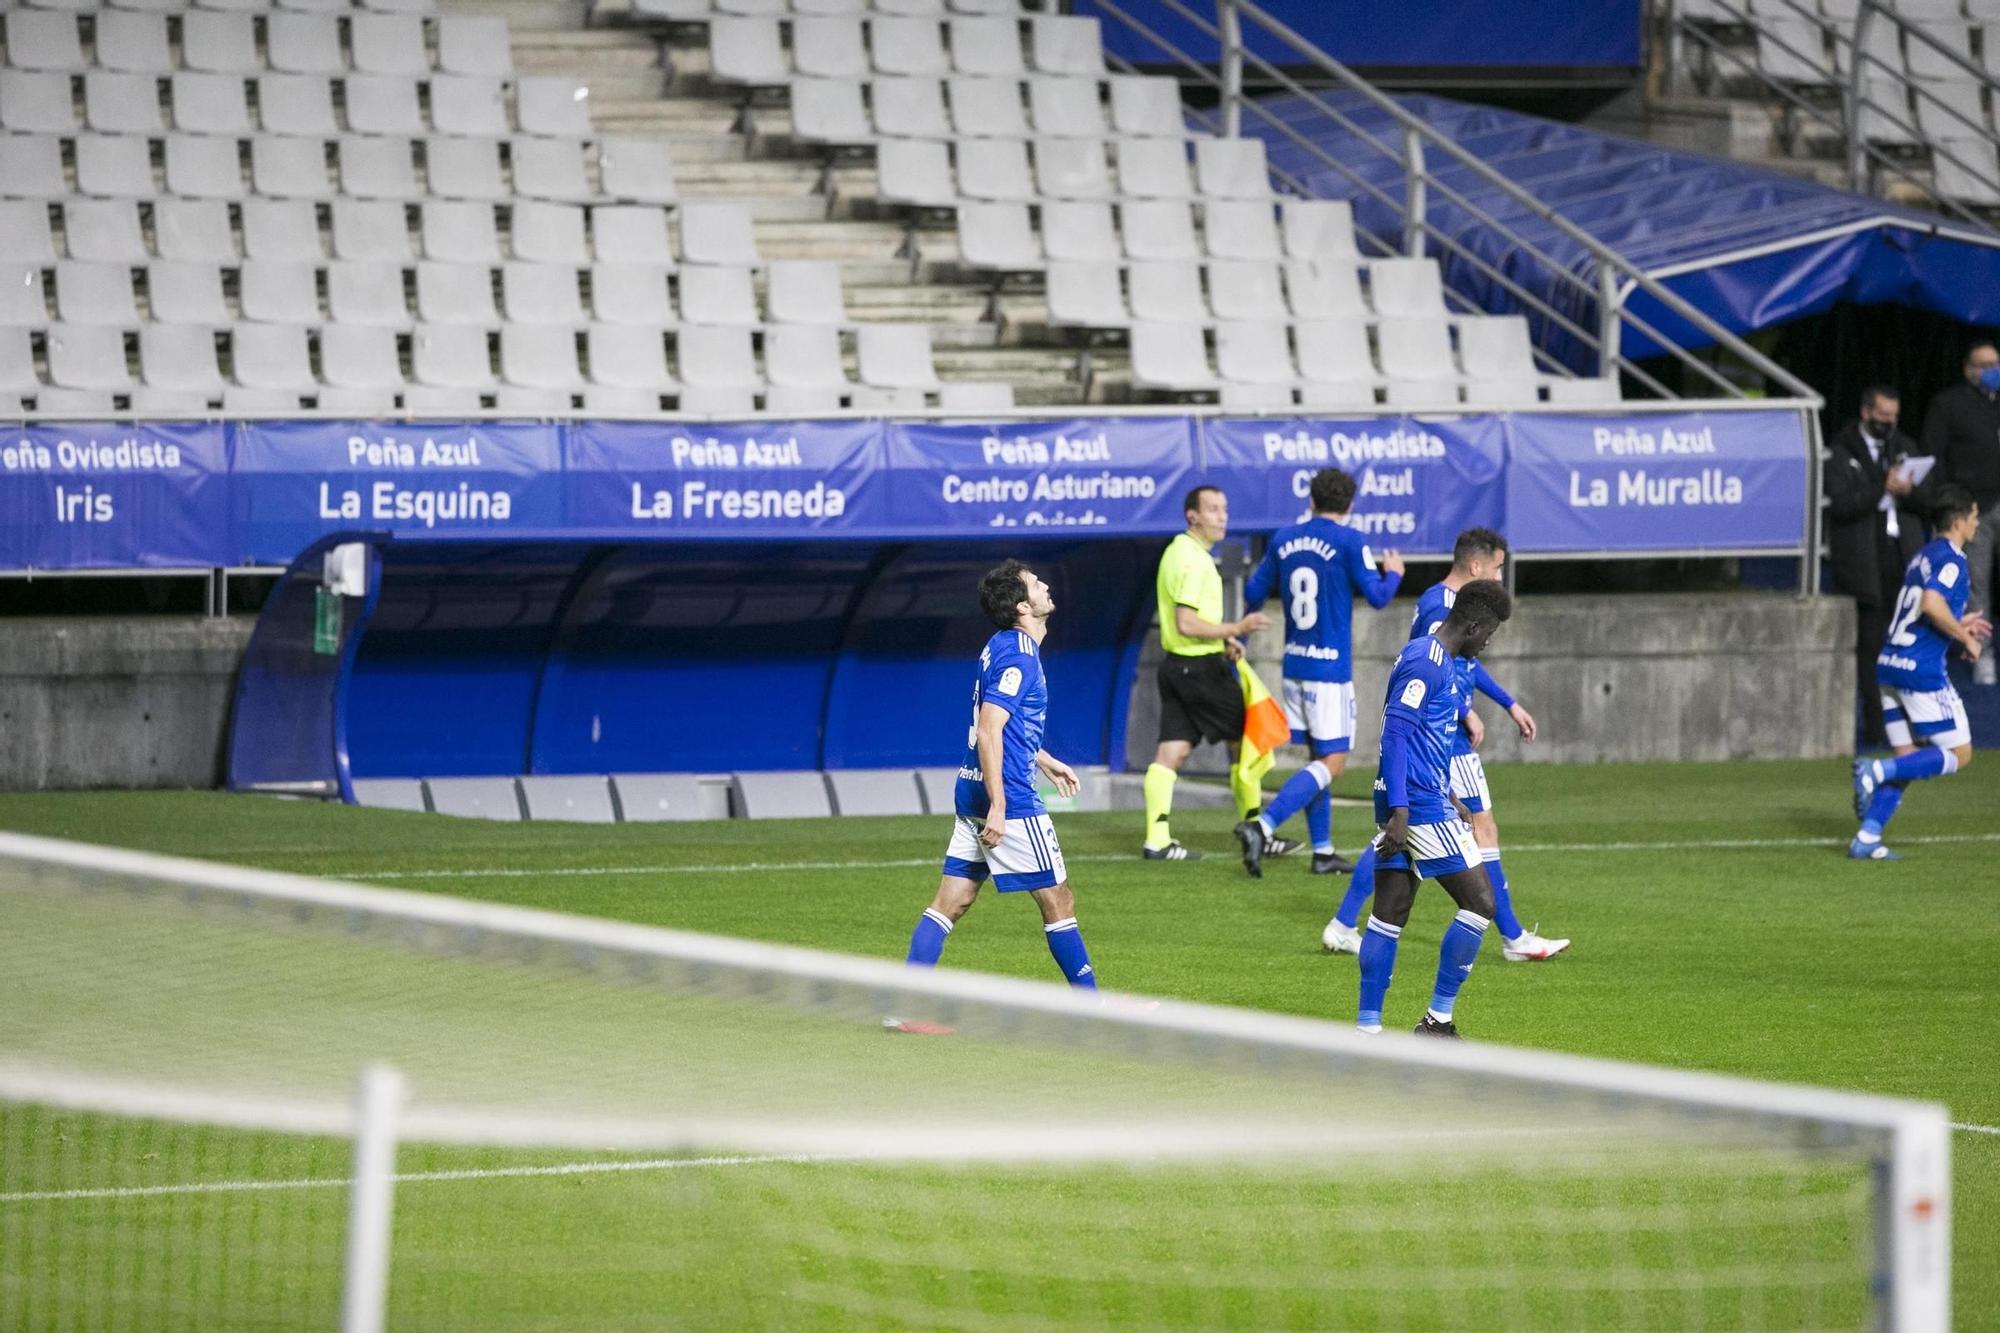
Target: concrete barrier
1677,676
116,702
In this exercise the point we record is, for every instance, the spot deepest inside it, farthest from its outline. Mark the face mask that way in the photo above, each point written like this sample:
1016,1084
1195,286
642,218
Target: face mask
1989,379
1877,430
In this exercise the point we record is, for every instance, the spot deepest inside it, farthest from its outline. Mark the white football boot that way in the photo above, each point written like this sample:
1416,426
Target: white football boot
1340,938
1528,947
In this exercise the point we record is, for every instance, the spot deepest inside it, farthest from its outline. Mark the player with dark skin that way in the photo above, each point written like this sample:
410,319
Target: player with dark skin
1396,889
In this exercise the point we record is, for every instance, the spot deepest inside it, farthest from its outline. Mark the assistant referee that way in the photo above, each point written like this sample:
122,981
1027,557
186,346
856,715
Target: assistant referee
1200,695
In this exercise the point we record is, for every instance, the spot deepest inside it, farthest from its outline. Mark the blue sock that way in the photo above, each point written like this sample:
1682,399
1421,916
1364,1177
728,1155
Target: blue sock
1881,809
1378,966
1503,901
1319,822
1066,947
1299,789
1455,956
927,940
1929,762
1360,888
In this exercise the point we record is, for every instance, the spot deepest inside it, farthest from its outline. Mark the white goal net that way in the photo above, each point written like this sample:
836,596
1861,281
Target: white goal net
564,1122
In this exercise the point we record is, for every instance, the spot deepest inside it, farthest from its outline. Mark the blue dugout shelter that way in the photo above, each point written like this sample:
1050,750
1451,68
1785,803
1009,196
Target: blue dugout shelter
470,657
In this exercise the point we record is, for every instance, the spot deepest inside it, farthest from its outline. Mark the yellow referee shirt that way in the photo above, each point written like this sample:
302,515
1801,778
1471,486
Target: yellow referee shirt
1188,577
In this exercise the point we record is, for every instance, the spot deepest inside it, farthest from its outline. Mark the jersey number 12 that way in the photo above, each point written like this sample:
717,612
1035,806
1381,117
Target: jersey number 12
1902,629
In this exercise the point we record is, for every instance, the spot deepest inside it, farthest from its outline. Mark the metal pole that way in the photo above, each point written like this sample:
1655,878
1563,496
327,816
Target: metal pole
1414,202
1670,80
1230,19
364,1296
1815,515
1850,102
1610,322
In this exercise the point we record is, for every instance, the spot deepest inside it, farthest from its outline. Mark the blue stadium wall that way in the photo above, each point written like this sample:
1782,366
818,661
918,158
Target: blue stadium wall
1486,34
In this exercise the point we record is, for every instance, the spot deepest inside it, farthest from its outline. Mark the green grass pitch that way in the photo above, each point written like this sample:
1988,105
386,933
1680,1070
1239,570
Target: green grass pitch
1717,927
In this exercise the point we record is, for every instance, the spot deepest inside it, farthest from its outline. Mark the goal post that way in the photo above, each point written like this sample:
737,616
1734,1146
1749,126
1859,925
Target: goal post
722,1127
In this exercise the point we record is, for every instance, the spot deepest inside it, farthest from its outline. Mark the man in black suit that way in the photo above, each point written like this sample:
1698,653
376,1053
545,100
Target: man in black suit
1875,526
1962,430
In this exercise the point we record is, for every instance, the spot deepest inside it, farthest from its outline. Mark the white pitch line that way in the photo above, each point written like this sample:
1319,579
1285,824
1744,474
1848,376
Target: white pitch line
741,867
406,1178
478,1173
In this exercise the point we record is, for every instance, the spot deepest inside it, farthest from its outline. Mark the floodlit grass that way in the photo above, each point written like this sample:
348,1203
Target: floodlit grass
1774,958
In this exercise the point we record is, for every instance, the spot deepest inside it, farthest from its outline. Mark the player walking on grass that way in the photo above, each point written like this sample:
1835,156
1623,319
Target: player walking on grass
1001,826
1479,553
1921,711
1421,832
1317,567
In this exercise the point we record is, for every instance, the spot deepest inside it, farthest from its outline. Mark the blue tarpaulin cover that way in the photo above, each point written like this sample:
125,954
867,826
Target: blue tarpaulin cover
1751,248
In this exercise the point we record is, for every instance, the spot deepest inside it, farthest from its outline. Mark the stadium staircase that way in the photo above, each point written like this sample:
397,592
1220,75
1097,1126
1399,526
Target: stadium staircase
654,79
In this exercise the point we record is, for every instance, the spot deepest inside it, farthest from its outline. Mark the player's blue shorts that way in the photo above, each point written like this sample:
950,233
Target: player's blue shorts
1028,857
1437,850
1322,712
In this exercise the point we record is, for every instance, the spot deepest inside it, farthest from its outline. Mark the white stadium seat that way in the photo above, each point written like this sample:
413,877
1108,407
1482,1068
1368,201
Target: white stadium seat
718,294
455,293
366,293
631,294
278,291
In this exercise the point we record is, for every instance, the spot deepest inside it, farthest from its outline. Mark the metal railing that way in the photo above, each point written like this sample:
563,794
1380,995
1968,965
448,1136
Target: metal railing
1418,150
1858,110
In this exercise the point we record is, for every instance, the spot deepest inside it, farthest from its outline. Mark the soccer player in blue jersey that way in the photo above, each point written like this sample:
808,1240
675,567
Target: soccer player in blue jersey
1924,716
1317,567
1478,553
1001,826
1421,834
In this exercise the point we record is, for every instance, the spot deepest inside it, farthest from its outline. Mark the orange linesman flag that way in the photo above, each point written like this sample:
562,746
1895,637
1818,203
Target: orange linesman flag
1264,727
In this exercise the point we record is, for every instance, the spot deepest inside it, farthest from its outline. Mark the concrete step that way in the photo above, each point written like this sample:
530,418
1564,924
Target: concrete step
1015,365
614,65
929,302
764,179
525,15
586,48
844,241
698,147
775,210
709,113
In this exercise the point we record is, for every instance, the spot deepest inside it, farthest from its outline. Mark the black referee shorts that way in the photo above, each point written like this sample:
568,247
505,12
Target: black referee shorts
1201,698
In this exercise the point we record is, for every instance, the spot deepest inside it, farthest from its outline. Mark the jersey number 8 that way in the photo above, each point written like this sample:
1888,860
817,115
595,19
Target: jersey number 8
1304,610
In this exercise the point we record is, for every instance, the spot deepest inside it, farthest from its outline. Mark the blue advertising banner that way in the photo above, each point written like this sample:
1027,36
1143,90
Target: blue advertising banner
113,495
298,480
743,479
1123,475
1418,483
1681,482
209,494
